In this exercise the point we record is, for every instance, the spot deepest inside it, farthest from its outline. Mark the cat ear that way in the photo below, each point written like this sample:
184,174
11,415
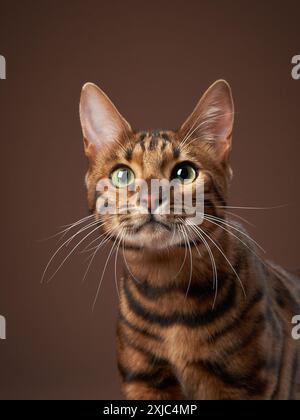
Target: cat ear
212,120
101,122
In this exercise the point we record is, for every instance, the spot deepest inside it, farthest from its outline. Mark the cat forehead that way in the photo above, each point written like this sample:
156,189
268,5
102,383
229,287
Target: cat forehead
148,152
155,152
154,145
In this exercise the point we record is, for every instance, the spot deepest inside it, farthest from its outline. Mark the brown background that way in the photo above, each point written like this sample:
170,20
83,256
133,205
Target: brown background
154,59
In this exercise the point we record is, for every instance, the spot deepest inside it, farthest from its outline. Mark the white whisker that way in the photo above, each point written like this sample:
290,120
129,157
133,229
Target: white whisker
116,261
108,236
104,270
253,208
231,226
65,244
225,257
185,255
70,253
213,263
191,261
127,266
68,228
240,218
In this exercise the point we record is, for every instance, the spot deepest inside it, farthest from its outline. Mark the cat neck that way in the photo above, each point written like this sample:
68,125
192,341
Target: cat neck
178,265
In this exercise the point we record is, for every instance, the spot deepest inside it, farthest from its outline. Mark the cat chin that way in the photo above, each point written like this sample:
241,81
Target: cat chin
159,239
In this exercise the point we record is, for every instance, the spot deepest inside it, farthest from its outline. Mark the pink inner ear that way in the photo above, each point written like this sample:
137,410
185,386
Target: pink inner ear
212,119
101,123
224,125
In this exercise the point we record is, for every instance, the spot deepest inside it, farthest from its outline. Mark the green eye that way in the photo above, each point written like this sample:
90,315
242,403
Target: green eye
122,177
185,173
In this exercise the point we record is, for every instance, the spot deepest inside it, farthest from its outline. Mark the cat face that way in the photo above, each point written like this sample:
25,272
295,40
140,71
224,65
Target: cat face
125,166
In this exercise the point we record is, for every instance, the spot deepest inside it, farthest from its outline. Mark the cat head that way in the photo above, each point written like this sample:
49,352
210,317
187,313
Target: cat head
195,155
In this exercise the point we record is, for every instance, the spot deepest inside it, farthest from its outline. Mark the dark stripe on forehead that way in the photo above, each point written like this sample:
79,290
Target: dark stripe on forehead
176,152
142,137
141,140
165,136
155,137
164,145
154,133
128,154
153,143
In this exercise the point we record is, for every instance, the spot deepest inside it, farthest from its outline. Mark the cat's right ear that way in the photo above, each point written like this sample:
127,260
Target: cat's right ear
101,122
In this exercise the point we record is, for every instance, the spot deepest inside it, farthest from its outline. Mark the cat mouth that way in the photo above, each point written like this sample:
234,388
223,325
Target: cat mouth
152,224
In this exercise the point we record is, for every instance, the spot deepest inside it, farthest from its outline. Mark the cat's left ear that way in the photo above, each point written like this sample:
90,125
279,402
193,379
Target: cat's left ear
102,124
212,120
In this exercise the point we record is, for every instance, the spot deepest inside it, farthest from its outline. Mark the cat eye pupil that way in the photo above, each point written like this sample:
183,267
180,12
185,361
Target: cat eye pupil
184,173
122,177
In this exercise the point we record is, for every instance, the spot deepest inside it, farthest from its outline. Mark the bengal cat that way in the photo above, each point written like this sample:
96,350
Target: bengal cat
202,315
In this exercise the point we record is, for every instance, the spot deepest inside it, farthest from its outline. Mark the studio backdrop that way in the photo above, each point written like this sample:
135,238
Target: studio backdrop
154,60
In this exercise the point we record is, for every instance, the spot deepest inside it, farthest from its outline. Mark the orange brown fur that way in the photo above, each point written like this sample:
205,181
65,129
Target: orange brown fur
235,344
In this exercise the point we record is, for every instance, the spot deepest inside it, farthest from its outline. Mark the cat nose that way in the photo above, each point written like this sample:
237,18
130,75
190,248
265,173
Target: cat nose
154,203
151,204
146,203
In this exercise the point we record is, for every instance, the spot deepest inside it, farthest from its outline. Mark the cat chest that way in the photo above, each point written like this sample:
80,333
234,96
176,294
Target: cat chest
181,344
